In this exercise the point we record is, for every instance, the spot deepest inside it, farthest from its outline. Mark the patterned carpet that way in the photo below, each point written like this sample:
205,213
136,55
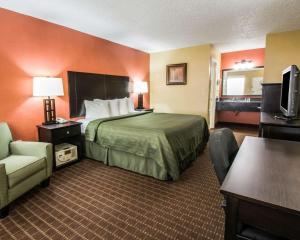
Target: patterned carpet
89,200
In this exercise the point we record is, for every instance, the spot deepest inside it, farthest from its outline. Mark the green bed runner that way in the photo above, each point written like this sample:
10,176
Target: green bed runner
168,139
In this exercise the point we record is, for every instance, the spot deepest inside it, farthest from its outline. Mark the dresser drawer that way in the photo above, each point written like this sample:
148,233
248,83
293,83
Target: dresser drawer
66,132
279,132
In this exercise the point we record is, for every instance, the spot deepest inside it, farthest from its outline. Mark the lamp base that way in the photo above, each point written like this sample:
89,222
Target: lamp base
140,101
49,111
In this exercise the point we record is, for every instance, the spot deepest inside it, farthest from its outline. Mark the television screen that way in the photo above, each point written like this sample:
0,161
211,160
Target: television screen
285,90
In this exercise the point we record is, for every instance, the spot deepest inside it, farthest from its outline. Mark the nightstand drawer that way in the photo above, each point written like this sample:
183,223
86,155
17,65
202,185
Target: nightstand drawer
66,132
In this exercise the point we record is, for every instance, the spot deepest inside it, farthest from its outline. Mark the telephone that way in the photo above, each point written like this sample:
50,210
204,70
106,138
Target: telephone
61,120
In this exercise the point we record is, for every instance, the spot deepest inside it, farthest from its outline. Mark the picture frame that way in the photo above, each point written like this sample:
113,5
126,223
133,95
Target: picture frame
177,74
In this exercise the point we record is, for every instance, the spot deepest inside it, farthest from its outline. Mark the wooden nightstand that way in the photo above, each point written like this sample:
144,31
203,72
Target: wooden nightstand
69,132
145,109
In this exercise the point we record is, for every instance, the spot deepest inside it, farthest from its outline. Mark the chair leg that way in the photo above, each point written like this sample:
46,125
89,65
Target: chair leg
4,212
45,183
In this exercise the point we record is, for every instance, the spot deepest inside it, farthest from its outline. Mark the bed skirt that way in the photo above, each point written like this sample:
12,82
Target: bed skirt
131,162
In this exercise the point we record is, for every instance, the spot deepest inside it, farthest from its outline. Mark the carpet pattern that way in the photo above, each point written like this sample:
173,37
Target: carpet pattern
89,200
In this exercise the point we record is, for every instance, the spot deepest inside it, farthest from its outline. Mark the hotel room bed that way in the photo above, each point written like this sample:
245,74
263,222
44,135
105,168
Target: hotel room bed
160,145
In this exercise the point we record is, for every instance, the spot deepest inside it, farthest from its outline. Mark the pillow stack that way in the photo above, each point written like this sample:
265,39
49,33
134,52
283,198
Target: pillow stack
100,108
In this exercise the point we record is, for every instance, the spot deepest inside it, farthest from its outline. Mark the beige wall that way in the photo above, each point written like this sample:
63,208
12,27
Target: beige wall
282,50
192,98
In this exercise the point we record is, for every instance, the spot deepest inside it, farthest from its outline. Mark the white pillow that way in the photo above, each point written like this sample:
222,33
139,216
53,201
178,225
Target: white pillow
123,104
105,102
95,110
130,105
114,107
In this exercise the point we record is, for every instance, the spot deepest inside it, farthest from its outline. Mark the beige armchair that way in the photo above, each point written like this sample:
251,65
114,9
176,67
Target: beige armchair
23,165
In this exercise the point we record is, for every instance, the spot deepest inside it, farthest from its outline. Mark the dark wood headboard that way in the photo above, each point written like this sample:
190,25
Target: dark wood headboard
88,86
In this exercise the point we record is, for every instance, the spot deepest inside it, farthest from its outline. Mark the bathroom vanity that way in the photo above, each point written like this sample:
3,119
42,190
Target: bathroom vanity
240,99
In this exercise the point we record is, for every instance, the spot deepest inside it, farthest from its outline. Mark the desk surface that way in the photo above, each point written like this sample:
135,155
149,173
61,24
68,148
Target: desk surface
266,171
268,118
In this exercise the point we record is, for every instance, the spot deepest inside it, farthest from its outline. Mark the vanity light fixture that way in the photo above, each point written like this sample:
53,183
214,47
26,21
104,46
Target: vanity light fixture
244,64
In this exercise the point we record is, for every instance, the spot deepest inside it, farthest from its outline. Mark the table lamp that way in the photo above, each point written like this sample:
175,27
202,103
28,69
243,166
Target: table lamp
140,87
46,87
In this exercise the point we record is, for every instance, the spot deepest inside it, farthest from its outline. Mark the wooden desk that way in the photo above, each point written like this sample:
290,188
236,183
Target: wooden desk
270,127
262,188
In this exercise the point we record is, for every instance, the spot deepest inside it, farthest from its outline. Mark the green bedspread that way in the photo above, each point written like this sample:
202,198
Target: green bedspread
168,139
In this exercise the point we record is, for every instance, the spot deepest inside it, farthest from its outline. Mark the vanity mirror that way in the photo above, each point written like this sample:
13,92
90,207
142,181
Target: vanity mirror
240,83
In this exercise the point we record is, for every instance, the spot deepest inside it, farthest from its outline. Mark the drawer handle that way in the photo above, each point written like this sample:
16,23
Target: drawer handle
68,132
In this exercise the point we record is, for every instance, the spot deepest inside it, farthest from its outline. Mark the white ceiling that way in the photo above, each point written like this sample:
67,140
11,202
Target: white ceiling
157,25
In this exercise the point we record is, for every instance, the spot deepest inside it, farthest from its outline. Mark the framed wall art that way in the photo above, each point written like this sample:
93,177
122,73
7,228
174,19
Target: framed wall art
177,74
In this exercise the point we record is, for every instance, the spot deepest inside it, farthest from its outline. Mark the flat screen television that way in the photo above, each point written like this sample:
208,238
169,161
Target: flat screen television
289,101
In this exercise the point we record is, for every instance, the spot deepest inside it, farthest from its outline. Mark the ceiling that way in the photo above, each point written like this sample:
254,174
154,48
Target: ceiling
157,25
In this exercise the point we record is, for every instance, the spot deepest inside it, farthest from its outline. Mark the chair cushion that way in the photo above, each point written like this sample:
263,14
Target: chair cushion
5,139
20,167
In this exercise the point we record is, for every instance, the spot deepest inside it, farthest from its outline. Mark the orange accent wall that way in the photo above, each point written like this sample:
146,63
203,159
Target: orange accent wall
227,62
32,47
256,55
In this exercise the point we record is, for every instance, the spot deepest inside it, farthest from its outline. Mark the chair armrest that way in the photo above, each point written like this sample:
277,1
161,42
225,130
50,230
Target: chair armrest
3,187
37,149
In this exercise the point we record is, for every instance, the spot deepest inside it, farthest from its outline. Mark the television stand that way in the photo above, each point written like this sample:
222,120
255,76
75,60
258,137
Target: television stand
278,128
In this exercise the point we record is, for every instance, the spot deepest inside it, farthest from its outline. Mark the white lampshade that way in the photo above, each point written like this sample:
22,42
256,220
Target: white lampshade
47,86
140,87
